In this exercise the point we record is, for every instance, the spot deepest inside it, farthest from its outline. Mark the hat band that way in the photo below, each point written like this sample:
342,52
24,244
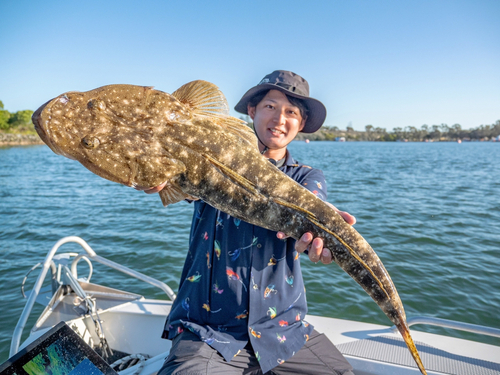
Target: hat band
290,88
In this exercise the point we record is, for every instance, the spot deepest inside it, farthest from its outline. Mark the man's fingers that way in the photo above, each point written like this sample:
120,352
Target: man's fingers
302,244
315,245
326,256
152,190
315,248
281,235
348,218
332,206
315,251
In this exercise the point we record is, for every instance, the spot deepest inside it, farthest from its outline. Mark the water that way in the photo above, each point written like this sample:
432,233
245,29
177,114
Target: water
430,210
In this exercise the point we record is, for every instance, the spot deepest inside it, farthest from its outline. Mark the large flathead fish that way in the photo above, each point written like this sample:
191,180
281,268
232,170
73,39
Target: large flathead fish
142,137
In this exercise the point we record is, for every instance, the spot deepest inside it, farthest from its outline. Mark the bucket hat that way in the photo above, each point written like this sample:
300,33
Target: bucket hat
290,84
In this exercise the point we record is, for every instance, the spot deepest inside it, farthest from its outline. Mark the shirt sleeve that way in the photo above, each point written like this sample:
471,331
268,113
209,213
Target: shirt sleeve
315,182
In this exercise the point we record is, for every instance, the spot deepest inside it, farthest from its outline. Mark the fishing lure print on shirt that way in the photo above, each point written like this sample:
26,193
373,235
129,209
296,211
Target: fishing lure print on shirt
234,276
236,253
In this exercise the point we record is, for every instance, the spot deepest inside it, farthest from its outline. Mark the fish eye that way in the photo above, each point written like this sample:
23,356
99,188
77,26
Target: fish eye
96,104
64,99
90,142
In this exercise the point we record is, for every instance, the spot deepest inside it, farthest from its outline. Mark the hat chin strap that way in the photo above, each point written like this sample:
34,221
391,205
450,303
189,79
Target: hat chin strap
266,147
258,138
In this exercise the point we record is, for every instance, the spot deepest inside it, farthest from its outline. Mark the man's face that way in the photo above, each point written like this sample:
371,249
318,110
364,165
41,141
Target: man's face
276,120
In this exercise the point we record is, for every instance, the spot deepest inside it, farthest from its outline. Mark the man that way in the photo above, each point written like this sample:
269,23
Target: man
245,315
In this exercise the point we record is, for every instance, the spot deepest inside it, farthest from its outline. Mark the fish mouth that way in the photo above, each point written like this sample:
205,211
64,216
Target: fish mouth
42,131
41,119
36,120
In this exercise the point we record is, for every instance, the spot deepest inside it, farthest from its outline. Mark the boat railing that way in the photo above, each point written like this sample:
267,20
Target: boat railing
445,323
18,331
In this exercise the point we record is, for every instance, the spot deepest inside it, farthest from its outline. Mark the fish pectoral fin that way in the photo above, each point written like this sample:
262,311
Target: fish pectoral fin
155,170
171,194
240,180
205,100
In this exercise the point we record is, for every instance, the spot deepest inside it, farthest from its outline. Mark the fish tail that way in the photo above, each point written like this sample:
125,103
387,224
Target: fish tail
405,332
387,291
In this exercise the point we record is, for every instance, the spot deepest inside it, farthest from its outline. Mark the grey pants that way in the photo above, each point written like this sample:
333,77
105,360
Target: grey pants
190,356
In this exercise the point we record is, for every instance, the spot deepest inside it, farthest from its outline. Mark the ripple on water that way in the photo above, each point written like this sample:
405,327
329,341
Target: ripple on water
430,211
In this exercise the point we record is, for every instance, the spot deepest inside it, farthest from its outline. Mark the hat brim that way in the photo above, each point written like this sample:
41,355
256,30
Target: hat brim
317,111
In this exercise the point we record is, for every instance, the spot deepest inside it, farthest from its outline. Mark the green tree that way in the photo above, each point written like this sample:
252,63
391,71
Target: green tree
20,118
496,129
435,134
398,132
4,119
455,131
389,137
445,128
369,133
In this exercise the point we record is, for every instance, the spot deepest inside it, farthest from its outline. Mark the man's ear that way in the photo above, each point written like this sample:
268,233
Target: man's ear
251,111
302,124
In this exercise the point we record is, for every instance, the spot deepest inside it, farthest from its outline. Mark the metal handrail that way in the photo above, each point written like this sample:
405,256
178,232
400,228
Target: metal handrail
445,323
18,331
127,271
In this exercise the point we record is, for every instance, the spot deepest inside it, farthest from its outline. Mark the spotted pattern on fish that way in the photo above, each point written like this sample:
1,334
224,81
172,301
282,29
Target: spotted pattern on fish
141,137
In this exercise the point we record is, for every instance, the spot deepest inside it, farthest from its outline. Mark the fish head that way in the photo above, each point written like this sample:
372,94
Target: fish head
113,132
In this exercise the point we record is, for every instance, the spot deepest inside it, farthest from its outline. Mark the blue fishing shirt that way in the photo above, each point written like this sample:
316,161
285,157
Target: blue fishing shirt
241,284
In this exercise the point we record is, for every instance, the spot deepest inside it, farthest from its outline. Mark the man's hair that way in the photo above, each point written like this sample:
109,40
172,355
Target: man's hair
257,98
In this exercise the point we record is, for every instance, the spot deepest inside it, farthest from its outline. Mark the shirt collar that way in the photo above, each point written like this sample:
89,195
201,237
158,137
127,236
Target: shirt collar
289,159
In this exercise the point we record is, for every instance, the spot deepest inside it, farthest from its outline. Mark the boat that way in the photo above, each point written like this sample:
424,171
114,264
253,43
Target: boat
125,327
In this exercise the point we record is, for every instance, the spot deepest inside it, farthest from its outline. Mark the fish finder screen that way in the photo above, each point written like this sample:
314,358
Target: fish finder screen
60,351
61,358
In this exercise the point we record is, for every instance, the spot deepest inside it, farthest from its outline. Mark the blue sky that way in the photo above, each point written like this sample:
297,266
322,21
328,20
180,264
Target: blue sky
384,63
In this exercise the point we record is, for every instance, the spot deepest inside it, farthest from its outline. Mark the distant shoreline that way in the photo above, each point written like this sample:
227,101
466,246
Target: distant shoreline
10,139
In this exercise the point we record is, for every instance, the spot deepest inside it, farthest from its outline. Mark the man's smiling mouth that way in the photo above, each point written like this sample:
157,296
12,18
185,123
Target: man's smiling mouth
276,131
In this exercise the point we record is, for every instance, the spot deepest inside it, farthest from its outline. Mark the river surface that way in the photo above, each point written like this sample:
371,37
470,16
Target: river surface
430,210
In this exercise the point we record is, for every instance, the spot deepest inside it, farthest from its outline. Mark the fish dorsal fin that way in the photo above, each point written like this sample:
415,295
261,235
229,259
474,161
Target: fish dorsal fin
205,100
239,128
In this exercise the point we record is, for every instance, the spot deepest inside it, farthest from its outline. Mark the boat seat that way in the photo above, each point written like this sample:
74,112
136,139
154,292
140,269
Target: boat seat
394,350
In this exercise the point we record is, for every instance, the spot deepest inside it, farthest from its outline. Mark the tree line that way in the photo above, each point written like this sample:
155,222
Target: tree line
433,133
19,121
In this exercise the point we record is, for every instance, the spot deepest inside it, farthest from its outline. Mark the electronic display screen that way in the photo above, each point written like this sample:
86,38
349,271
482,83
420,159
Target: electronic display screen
59,351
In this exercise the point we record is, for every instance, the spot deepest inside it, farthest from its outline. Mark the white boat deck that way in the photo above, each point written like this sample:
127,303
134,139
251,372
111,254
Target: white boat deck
375,349
133,325
372,349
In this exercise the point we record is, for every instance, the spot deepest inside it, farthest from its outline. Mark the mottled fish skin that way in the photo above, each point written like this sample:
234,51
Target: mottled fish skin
141,137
